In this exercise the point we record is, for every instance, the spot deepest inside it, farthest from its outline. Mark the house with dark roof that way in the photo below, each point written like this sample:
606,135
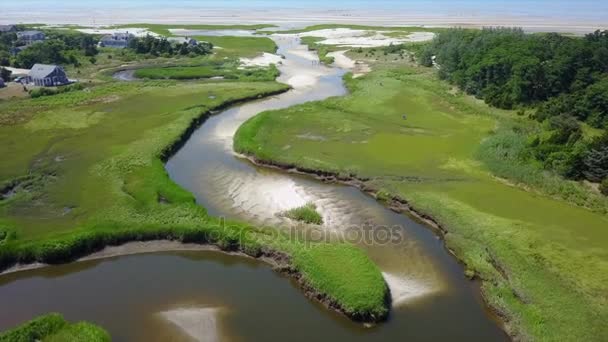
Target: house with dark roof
44,75
8,28
30,37
2,85
116,40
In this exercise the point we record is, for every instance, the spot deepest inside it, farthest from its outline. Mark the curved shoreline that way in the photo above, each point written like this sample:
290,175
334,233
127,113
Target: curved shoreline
398,205
280,262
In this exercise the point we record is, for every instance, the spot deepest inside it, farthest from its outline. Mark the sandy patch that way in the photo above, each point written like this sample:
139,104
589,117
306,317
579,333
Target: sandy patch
11,90
198,323
358,68
131,248
362,38
138,32
405,289
17,71
265,60
302,81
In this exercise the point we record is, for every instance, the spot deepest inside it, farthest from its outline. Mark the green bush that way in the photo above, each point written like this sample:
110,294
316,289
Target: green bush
604,187
306,213
35,330
53,327
39,92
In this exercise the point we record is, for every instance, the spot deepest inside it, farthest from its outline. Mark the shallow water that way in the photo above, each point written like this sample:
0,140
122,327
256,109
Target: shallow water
161,296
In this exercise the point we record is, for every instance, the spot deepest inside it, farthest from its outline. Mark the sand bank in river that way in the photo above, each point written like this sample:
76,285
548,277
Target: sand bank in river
364,38
200,324
261,61
342,61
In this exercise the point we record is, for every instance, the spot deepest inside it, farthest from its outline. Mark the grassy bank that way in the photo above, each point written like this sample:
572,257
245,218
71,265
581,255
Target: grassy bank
542,259
84,170
225,70
54,328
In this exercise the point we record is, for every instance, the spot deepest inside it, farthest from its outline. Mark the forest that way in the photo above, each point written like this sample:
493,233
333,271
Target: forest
559,81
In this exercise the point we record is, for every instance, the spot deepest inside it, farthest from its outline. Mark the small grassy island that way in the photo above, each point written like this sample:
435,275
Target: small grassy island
307,213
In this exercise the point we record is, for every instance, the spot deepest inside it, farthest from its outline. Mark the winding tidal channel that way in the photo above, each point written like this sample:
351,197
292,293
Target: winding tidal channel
210,296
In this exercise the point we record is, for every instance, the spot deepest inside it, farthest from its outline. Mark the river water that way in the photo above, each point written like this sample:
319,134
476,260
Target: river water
208,296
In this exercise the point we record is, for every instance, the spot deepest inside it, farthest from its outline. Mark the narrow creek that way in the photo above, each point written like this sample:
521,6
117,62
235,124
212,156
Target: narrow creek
208,296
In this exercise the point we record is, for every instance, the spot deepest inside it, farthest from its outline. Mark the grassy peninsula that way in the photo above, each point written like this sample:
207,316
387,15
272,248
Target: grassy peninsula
415,138
54,328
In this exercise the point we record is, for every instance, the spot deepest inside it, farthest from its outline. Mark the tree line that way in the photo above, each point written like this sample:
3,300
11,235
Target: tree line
59,47
162,47
562,81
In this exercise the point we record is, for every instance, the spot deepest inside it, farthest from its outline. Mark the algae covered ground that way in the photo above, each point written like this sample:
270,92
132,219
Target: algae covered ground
542,259
54,328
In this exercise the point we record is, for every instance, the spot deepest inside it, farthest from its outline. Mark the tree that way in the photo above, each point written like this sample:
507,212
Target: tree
48,52
596,160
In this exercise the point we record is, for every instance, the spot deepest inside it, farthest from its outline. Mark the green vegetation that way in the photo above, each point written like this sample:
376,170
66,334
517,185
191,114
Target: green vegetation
542,260
38,92
232,47
563,80
230,70
306,213
322,50
604,187
162,47
329,267
54,328
60,47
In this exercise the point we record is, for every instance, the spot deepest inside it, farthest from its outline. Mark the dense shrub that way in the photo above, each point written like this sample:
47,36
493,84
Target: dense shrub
604,187
53,327
35,330
161,46
39,92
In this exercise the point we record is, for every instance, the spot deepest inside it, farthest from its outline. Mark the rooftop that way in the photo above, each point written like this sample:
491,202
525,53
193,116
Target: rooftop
42,70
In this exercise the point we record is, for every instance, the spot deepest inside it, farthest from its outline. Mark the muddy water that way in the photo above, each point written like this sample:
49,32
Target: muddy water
208,296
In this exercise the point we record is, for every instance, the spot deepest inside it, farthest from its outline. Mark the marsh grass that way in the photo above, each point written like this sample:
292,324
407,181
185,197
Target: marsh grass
226,70
54,328
89,184
307,213
505,155
540,256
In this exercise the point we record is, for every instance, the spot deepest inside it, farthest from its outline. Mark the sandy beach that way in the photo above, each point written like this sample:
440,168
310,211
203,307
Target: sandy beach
292,18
